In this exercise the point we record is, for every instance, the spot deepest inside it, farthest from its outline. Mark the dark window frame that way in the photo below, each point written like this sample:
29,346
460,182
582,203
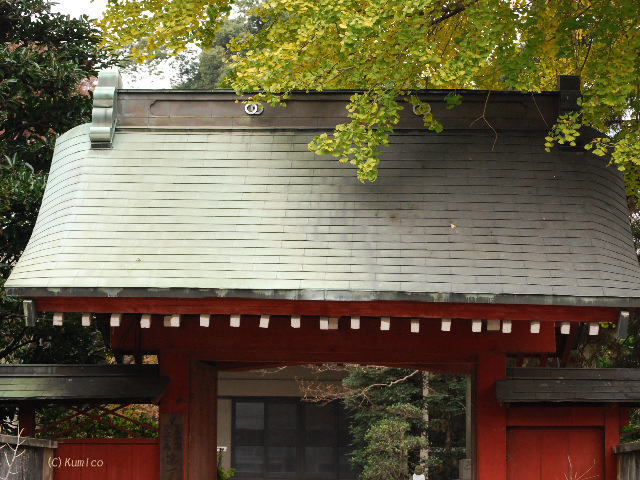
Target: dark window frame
301,441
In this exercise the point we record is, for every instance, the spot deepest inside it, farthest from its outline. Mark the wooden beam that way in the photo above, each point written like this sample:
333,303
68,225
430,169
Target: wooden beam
172,321
415,325
445,325
26,426
114,320
493,325
280,343
407,309
328,323
30,312
145,320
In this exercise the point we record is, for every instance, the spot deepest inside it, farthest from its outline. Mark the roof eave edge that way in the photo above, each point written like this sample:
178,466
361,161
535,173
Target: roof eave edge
330,295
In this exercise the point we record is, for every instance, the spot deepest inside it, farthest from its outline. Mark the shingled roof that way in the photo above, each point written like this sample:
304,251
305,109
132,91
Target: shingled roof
196,198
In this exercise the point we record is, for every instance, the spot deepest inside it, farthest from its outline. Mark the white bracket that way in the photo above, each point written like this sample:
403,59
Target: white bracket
104,113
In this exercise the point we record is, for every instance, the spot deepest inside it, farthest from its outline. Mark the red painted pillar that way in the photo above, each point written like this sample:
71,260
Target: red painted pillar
188,414
202,458
27,420
612,429
490,419
174,410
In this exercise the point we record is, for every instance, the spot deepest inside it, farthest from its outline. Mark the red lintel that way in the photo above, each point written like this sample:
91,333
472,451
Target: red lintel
544,313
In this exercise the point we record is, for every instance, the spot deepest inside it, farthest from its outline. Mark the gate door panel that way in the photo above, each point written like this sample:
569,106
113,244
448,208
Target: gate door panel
555,453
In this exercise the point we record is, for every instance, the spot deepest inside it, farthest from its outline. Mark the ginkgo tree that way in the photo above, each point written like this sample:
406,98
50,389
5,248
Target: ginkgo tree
389,49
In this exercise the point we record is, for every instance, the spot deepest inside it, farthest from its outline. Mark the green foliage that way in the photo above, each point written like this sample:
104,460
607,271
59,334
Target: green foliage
565,131
46,63
392,48
222,473
386,454
393,400
210,68
21,190
358,142
136,423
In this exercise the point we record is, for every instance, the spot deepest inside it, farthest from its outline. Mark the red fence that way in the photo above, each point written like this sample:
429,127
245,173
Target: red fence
107,459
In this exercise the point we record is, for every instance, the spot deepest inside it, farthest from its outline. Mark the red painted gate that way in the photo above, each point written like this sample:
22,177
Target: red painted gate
573,453
107,459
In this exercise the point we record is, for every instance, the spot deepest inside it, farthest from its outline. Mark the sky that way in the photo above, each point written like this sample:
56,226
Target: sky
160,78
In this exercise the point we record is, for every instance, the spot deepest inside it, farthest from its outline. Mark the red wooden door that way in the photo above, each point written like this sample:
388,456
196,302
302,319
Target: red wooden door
573,453
107,459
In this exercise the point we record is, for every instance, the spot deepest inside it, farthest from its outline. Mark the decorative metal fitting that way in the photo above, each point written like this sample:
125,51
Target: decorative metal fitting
104,114
253,108
415,108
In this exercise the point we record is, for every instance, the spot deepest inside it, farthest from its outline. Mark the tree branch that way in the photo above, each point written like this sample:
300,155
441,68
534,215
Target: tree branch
15,344
451,13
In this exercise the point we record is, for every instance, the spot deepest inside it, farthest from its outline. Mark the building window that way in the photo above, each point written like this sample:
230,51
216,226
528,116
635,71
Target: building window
283,438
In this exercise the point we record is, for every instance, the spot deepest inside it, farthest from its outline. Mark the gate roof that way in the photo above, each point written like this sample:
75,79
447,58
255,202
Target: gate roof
195,198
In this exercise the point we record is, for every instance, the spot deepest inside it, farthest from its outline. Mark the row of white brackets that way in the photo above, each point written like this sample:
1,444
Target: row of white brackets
331,323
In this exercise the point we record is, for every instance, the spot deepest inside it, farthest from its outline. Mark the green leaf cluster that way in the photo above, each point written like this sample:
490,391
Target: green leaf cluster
388,425
389,49
47,61
137,422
